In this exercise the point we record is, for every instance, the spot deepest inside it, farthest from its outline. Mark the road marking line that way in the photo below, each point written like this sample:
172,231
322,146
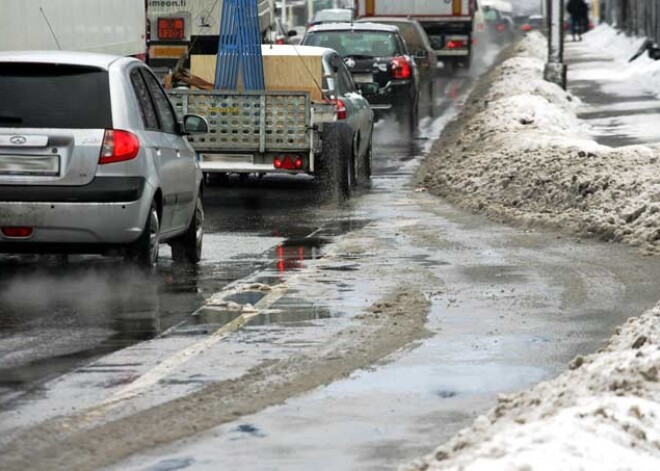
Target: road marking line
170,364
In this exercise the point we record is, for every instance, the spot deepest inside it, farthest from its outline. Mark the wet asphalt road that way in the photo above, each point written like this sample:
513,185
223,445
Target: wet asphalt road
510,307
58,314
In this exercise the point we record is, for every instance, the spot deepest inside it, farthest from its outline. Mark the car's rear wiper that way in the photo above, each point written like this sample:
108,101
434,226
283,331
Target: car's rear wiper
11,119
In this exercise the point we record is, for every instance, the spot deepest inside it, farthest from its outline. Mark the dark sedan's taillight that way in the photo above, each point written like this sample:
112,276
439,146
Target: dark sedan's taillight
118,146
401,68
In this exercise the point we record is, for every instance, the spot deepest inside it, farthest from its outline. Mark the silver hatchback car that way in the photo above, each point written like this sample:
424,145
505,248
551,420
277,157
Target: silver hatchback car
94,160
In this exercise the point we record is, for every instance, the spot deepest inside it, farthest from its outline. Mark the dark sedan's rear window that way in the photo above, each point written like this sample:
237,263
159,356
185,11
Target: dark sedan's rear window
356,43
54,96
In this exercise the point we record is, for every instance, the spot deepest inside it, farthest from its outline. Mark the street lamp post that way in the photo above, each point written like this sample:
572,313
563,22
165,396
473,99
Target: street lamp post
555,69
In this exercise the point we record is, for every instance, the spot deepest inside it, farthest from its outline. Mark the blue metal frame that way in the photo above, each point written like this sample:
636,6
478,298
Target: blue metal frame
239,47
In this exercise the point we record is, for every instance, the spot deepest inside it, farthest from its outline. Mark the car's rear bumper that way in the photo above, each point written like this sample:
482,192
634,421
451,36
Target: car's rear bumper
395,93
77,223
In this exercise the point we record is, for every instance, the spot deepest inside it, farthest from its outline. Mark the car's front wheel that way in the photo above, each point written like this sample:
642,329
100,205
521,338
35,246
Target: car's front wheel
188,246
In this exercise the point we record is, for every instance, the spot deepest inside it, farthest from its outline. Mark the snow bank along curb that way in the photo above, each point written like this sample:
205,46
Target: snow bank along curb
518,153
604,413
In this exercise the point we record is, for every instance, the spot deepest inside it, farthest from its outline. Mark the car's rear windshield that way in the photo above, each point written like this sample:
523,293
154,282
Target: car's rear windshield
54,96
356,43
334,15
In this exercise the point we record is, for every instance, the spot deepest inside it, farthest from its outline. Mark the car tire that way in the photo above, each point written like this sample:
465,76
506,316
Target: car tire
144,251
368,161
334,163
187,248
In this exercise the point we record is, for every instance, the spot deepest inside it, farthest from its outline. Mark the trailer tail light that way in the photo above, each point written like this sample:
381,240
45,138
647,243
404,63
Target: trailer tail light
17,232
118,146
288,162
457,44
401,68
171,28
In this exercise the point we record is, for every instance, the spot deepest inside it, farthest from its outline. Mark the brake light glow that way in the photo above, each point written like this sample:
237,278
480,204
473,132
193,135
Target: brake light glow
171,28
118,146
17,232
401,68
456,44
279,41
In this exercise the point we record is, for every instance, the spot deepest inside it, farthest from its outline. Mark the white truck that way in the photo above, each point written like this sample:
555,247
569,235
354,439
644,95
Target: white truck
190,27
448,23
110,27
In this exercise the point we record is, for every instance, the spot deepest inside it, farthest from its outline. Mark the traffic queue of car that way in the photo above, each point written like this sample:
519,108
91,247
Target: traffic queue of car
95,159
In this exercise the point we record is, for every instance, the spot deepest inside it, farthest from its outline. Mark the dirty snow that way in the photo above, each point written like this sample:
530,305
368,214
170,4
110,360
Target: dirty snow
527,158
519,153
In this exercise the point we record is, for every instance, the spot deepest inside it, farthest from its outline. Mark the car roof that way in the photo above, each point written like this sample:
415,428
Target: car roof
354,27
88,59
335,10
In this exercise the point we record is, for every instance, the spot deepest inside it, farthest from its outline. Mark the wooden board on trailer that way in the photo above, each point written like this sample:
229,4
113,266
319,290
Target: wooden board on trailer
283,72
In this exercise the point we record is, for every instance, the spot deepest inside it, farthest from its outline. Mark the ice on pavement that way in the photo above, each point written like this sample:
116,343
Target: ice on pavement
520,153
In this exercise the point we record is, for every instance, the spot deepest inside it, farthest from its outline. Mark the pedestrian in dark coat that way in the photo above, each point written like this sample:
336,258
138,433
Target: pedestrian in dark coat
579,12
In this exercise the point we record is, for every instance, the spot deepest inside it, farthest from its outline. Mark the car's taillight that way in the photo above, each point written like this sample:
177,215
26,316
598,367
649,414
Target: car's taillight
500,28
17,232
342,113
118,146
340,108
456,44
279,41
401,68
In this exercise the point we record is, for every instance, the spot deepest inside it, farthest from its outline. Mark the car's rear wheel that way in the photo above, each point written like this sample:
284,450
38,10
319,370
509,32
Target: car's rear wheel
368,159
187,247
334,166
144,252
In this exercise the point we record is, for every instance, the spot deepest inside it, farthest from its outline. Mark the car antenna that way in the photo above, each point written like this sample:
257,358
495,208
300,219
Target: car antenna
41,8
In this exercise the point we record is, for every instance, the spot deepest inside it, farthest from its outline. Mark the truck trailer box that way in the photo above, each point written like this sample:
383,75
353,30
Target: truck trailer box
419,9
103,26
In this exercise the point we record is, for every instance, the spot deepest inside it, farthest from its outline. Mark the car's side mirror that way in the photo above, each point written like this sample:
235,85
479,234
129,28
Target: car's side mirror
194,124
292,33
368,89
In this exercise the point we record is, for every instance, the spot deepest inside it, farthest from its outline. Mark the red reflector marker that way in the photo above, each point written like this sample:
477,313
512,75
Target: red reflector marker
298,163
118,146
18,232
277,163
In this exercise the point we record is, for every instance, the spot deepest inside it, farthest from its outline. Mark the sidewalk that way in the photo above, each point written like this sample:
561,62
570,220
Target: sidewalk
526,152
621,106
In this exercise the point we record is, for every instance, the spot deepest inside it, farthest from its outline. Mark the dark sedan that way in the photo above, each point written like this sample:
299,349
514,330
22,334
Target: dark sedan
375,53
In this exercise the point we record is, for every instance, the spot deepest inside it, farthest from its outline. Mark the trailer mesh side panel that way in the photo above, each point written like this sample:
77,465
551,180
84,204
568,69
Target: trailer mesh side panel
245,122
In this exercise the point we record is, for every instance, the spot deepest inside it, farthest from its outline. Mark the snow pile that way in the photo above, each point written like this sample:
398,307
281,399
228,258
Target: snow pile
604,413
643,71
519,153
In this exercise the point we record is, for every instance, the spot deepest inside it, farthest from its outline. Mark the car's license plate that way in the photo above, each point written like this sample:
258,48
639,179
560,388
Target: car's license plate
363,78
31,165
